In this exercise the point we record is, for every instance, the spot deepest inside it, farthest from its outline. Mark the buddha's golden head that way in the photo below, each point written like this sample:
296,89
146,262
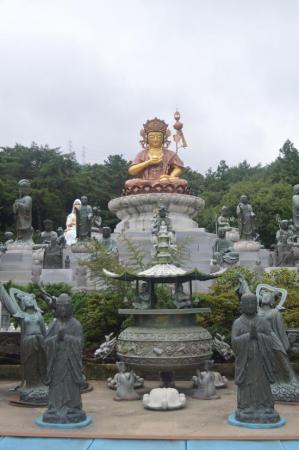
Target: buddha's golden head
155,139
155,133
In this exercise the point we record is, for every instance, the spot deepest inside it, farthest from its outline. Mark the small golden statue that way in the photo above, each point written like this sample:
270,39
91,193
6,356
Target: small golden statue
157,168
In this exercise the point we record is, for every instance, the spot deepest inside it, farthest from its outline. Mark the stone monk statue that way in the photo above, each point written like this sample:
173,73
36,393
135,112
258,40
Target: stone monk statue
156,167
64,341
84,219
22,209
254,364
246,219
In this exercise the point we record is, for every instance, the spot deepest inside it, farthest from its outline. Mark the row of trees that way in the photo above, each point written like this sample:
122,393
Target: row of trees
57,179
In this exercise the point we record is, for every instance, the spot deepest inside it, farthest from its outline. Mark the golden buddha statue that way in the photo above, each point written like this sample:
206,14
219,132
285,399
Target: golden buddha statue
157,168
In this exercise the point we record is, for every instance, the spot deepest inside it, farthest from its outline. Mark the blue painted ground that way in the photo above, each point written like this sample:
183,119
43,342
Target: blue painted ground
265,426
19,443
63,426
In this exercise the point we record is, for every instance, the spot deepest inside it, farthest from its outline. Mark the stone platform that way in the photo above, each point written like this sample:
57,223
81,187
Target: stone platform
16,264
136,211
201,420
196,251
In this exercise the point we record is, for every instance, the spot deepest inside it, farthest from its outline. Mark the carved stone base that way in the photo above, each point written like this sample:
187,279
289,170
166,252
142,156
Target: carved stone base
84,423
232,420
261,416
80,247
37,395
74,416
286,392
136,211
247,246
134,187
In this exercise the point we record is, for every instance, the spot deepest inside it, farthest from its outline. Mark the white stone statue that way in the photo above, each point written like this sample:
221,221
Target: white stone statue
71,221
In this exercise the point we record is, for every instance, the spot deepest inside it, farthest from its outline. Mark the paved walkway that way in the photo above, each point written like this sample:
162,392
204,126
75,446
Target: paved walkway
201,419
14,443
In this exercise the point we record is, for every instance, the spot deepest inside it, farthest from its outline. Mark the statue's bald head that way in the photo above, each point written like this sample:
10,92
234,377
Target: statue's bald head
249,304
63,306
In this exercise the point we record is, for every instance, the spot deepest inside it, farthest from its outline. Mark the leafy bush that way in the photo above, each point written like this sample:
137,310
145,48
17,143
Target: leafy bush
224,303
98,310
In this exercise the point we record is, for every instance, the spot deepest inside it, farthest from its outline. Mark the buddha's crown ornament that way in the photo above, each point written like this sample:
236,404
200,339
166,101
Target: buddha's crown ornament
155,125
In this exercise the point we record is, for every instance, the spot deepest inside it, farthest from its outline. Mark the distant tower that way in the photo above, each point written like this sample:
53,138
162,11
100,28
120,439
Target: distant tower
83,155
70,146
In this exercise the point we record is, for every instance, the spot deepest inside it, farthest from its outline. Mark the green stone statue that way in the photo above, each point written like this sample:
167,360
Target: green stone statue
246,219
22,305
286,242
64,341
109,243
254,365
22,209
84,219
223,250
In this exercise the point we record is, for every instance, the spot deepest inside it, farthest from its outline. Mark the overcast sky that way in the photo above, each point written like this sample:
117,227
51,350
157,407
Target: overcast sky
93,71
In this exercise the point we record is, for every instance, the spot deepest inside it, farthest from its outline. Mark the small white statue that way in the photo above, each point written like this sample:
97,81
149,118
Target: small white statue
164,399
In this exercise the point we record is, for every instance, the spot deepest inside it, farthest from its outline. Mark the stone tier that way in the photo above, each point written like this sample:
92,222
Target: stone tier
136,211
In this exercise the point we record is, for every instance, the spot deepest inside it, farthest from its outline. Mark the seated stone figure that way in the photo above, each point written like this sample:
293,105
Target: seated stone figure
286,242
157,168
224,221
223,250
53,256
48,232
109,243
160,216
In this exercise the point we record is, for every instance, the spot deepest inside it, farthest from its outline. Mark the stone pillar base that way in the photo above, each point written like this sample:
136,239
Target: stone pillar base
136,211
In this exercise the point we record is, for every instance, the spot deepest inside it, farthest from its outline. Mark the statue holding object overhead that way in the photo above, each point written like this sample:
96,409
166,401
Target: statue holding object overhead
23,306
22,209
286,387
